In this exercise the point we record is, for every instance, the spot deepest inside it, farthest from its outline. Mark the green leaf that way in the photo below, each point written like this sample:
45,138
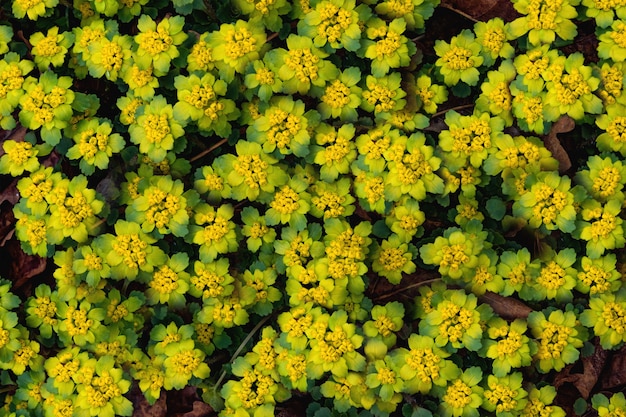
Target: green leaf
214,399
415,411
381,230
496,208
580,406
461,90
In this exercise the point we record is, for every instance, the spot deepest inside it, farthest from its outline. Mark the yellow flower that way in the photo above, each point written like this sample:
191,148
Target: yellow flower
234,46
51,48
383,95
156,129
334,23
543,20
33,8
549,205
386,46
157,42
18,157
459,60
559,336
110,58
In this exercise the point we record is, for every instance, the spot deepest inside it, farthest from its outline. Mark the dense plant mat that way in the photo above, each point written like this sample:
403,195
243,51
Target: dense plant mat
320,207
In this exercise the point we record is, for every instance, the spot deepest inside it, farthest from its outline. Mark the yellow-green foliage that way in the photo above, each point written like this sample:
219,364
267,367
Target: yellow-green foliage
245,196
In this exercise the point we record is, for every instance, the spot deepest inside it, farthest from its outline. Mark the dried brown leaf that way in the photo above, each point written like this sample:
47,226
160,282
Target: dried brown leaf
181,402
143,409
564,125
584,382
200,409
10,194
615,372
482,9
7,223
22,267
506,307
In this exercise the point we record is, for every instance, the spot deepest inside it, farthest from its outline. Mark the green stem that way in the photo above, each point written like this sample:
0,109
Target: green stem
240,348
465,15
208,150
408,287
461,107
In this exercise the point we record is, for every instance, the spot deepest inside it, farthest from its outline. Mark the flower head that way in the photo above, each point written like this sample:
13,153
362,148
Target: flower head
429,95
33,8
130,252
543,20
508,345
456,253
169,282
556,276
606,315
383,95
214,231
559,335
157,43
110,57
333,23
386,45
492,36
393,258
95,144
549,205
46,105
571,88
103,393
455,321
598,276
469,139
540,403
460,59
234,46
604,179
283,129
412,169
161,206
251,173
19,157
463,395
156,129
601,227
73,211
201,100
335,348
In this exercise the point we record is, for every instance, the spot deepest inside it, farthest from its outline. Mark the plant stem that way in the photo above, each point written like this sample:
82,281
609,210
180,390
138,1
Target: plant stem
208,150
461,107
459,12
241,346
408,287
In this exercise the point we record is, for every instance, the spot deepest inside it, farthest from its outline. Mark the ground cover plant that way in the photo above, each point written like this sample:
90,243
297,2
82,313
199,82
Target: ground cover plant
319,207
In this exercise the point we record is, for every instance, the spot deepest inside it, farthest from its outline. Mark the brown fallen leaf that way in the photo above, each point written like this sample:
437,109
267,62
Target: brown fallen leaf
615,373
181,402
592,368
10,193
482,9
506,307
143,409
21,266
553,144
7,223
200,409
